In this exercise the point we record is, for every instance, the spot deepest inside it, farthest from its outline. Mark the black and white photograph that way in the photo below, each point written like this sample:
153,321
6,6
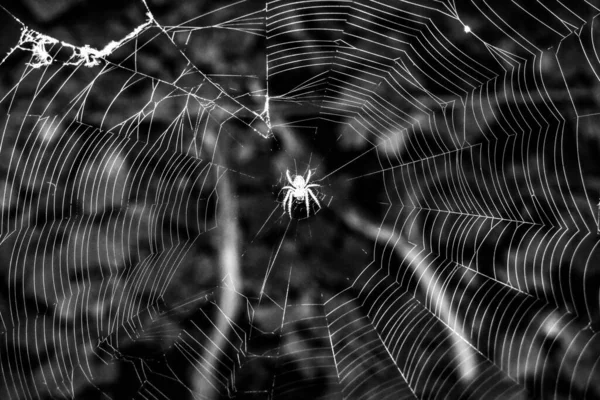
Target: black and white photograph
299,199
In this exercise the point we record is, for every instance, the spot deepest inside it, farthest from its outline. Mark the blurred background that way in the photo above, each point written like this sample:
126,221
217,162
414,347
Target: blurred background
145,251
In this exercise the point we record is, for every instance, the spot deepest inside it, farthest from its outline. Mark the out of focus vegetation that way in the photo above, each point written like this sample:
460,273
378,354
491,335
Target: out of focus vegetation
326,255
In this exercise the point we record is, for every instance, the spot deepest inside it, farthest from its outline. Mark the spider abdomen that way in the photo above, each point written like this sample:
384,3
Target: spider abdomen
299,192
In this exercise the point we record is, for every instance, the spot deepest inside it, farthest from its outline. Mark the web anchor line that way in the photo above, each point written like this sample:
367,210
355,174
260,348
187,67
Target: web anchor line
598,219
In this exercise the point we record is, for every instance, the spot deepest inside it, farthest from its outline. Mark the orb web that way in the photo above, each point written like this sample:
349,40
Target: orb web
146,252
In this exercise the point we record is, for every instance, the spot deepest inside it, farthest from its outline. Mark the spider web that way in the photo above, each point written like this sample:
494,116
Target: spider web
146,254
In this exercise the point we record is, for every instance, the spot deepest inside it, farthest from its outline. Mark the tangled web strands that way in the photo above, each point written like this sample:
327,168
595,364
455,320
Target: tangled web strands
456,148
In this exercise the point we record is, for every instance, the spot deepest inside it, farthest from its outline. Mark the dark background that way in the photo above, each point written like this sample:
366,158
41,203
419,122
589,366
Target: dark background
114,280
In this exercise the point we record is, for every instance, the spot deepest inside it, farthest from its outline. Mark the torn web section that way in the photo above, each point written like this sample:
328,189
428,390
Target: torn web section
182,104
300,49
195,348
215,43
153,65
304,336
303,361
301,41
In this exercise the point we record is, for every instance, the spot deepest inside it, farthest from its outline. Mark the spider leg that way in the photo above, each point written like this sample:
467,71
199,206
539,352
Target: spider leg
311,185
314,197
287,187
287,173
285,199
308,177
290,202
307,206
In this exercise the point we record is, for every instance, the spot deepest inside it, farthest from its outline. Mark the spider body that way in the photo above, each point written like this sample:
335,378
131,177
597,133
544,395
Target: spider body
300,191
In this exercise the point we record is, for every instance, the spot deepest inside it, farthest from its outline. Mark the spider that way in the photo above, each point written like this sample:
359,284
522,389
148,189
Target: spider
299,191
